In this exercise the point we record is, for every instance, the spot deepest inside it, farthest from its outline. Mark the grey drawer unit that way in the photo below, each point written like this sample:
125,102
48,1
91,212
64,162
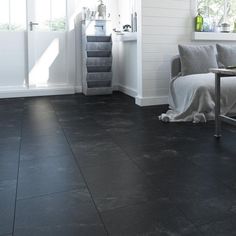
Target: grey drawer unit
99,79
99,84
99,46
97,63
99,76
99,69
98,53
99,39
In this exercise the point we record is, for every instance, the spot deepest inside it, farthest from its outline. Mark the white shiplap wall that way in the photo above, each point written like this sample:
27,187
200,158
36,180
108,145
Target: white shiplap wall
165,24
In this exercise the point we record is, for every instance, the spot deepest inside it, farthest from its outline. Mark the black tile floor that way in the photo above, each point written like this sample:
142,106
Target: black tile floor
76,165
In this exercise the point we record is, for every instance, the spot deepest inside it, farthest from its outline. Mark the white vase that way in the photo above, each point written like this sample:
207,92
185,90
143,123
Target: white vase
102,11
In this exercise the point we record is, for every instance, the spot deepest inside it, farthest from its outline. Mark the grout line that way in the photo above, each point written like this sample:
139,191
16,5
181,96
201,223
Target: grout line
18,170
186,217
78,166
49,194
214,221
168,194
151,185
124,151
82,174
226,185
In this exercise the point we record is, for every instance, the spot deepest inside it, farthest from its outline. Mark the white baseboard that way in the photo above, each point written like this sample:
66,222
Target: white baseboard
115,88
127,90
142,101
78,89
14,92
151,101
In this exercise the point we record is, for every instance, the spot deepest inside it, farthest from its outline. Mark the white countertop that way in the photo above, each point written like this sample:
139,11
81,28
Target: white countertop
213,36
125,36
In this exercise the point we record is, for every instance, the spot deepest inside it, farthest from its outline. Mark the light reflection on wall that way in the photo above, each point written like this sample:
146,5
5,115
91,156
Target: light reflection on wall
40,73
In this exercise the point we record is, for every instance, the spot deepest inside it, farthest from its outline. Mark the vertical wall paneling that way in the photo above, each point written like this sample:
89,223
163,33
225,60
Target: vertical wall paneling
165,24
125,52
140,53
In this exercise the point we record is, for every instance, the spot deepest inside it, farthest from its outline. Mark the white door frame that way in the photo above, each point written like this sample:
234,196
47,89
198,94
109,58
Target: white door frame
22,89
57,90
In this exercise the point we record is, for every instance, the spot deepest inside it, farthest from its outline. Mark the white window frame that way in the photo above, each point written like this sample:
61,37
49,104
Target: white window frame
10,25
195,8
209,36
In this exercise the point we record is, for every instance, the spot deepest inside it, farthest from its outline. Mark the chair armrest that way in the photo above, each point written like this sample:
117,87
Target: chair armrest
175,66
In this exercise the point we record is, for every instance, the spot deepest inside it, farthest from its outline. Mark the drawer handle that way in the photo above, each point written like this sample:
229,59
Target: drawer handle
101,26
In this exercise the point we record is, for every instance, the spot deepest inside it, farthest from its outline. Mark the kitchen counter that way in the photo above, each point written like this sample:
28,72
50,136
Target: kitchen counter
125,36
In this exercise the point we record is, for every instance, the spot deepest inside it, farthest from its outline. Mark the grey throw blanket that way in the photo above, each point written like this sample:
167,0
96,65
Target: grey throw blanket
192,98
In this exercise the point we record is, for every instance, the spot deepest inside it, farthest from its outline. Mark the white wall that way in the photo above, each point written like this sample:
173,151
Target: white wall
71,43
164,25
125,70
13,66
125,67
126,8
12,57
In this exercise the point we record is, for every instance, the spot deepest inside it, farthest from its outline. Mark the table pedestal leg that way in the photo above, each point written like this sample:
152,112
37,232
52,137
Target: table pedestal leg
217,107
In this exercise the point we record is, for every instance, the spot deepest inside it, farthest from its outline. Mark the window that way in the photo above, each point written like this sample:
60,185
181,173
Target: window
50,14
12,15
218,11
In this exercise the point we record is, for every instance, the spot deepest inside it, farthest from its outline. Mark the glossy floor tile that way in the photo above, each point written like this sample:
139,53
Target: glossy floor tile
100,165
219,228
159,218
119,184
9,158
52,175
70,213
7,206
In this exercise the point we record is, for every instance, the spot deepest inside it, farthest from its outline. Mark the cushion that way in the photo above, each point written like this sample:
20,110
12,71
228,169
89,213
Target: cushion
226,55
197,59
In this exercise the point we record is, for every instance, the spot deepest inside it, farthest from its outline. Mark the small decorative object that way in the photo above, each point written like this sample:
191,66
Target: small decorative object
135,27
207,25
127,28
93,15
119,27
199,22
87,14
234,30
214,27
132,22
102,10
225,28
84,12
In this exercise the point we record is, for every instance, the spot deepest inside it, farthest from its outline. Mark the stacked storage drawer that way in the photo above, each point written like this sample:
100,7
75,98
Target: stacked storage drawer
99,64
